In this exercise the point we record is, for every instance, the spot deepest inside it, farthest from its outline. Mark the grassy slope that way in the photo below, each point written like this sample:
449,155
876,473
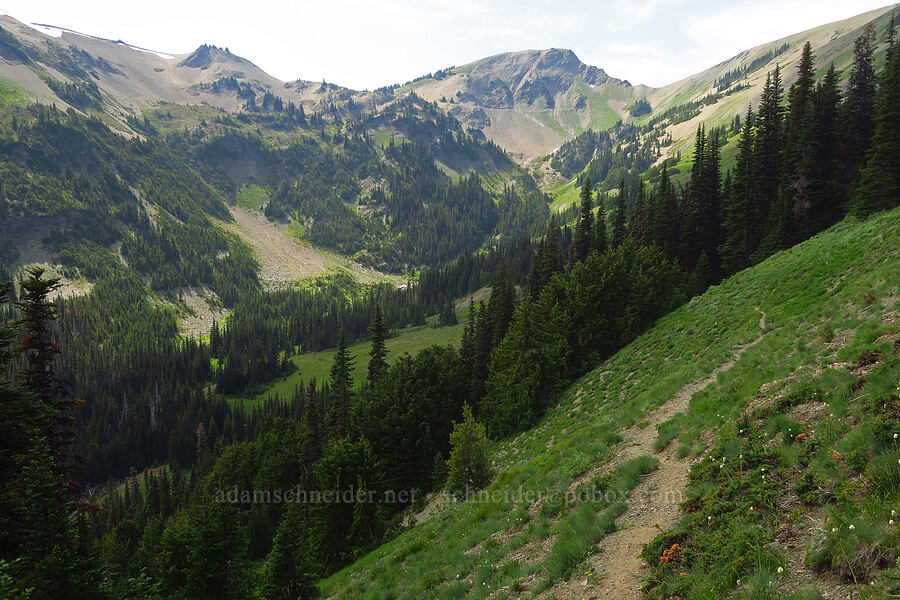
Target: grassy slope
843,279
318,364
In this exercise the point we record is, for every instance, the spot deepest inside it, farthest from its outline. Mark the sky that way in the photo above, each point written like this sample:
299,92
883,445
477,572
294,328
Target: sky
365,44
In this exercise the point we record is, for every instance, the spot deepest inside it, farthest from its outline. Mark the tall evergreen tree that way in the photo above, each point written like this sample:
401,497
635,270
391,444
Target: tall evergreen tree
484,346
770,210
702,204
799,97
290,568
37,375
814,186
584,232
620,217
501,303
737,210
666,220
879,186
341,388
859,107
378,353
639,224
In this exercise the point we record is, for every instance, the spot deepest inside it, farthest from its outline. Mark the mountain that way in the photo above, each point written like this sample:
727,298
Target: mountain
131,79
528,102
531,101
689,380
295,170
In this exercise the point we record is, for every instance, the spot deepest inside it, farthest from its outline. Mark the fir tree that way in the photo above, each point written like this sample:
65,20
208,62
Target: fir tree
859,107
469,467
769,209
341,387
738,218
666,225
619,219
814,187
37,376
377,354
501,303
879,186
584,232
290,568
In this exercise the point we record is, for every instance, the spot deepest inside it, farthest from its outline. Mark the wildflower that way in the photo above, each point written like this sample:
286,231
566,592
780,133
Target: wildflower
852,528
891,522
895,436
893,513
834,530
780,570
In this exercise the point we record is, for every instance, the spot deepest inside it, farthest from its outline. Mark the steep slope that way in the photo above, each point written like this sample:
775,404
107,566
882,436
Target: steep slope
739,80
714,98
726,383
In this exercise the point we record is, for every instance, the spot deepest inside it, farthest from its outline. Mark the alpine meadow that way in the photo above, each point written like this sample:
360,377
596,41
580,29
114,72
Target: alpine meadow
511,329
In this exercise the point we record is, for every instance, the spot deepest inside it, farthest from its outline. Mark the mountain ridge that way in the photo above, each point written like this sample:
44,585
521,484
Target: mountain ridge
527,101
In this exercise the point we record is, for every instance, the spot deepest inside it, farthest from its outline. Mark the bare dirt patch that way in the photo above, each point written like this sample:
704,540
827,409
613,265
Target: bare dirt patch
203,308
285,259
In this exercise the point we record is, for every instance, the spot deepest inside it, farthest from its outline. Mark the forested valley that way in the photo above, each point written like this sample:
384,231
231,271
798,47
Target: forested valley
121,438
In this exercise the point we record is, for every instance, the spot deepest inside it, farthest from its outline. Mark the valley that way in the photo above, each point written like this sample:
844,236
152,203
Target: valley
518,328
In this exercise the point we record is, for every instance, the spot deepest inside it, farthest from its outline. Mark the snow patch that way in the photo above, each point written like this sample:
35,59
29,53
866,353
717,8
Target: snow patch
47,30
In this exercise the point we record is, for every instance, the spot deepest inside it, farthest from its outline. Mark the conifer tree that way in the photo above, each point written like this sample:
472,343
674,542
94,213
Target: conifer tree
467,349
638,225
469,467
584,232
738,218
37,376
619,219
879,186
859,107
799,96
769,208
501,303
341,387
814,187
666,224
289,570
484,345
377,361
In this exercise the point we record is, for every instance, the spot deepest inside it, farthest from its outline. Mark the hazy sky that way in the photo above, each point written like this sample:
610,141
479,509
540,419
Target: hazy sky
367,44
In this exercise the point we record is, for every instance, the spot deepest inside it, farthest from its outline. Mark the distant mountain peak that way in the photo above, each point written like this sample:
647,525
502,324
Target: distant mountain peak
206,54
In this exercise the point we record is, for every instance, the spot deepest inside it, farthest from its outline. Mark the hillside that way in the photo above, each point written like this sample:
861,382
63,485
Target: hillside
287,340
747,423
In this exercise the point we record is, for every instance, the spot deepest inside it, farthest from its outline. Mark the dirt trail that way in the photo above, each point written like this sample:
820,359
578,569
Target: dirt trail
652,504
